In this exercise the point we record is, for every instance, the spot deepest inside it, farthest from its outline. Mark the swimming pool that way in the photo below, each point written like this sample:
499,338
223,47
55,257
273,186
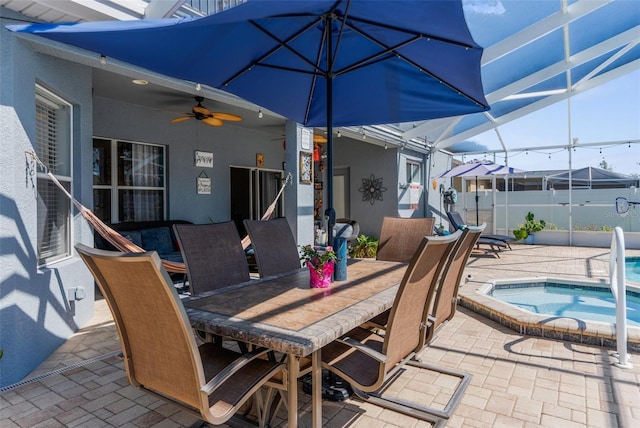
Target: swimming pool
632,269
585,302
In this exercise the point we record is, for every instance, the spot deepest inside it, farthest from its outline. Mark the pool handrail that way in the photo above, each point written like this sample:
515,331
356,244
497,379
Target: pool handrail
617,281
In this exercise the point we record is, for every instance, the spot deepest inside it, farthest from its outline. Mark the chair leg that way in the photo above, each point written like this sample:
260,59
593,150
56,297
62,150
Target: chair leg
430,414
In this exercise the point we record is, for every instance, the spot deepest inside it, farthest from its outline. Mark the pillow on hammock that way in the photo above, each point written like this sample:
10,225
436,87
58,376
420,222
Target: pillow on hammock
157,239
133,236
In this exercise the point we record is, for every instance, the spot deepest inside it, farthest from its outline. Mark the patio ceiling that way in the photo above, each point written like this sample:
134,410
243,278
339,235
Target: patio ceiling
537,53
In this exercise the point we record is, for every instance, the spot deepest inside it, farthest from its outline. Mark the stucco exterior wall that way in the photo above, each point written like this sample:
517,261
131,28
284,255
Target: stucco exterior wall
230,144
364,160
35,313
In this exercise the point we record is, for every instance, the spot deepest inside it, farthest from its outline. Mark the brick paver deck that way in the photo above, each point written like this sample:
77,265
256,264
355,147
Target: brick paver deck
518,381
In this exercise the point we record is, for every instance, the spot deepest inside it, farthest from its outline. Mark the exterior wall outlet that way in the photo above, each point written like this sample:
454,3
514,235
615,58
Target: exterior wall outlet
76,294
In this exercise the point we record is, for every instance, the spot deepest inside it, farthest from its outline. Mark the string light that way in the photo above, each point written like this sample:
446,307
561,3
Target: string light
103,60
260,113
339,134
198,87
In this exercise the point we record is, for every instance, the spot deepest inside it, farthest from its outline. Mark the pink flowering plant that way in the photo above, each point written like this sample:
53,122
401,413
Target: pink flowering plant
317,256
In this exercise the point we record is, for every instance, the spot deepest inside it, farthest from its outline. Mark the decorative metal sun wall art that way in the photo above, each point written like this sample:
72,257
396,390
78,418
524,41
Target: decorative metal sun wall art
372,189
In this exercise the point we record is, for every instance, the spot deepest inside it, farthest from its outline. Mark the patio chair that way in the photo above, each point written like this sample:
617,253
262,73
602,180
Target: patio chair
212,254
370,362
486,238
400,237
160,352
274,246
443,306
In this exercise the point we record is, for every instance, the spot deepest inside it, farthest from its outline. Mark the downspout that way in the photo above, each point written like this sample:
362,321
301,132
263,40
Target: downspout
426,159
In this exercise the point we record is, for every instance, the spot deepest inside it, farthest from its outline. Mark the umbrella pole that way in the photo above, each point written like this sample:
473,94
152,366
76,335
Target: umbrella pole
330,211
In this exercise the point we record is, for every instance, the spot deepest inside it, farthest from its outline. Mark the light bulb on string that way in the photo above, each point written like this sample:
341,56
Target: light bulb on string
260,114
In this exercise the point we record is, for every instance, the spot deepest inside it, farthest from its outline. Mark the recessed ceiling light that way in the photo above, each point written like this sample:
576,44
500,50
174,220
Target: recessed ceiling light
139,82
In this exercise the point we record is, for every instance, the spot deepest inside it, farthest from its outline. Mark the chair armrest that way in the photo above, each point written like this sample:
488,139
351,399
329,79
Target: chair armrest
231,369
364,349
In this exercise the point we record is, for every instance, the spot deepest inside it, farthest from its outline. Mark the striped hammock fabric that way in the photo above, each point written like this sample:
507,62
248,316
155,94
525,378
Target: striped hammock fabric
122,243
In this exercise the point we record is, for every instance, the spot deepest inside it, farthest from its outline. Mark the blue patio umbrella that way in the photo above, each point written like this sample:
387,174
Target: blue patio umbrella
478,168
320,63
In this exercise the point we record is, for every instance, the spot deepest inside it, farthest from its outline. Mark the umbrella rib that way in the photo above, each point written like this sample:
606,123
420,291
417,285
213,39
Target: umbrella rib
386,53
343,24
392,51
281,44
314,80
414,33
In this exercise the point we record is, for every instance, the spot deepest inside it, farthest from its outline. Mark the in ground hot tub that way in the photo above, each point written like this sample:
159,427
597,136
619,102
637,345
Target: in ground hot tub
577,311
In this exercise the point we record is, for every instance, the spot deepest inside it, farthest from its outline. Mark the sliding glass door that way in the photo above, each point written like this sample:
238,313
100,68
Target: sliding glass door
252,191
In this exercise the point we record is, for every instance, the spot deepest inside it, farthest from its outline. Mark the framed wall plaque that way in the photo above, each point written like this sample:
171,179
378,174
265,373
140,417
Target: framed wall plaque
203,159
306,167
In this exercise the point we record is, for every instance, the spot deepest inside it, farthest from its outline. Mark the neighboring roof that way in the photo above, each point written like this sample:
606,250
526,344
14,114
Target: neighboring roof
591,176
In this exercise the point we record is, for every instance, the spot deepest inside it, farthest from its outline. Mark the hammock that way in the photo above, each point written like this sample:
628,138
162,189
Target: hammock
122,243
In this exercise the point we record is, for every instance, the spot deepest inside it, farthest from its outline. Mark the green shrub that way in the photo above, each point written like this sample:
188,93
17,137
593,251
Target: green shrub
365,247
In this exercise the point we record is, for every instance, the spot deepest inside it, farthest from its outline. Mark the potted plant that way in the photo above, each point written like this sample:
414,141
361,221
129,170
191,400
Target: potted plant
531,225
365,247
321,263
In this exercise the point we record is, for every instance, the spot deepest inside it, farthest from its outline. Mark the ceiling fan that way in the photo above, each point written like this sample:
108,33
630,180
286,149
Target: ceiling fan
199,112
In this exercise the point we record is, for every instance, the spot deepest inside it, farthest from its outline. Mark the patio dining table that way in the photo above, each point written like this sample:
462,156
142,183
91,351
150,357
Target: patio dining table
284,314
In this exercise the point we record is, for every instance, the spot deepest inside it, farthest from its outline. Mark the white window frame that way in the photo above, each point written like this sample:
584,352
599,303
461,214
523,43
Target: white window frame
410,165
114,188
50,100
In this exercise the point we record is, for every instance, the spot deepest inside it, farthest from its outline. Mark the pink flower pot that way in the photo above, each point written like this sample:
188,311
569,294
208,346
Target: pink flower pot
320,278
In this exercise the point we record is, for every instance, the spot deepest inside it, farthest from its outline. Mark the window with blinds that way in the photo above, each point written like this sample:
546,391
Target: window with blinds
53,146
137,191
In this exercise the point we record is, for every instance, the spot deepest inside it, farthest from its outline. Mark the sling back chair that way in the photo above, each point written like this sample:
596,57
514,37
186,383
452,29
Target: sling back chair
214,258
274,246
486,238
445,300
213,255
370,362
160,352
400,237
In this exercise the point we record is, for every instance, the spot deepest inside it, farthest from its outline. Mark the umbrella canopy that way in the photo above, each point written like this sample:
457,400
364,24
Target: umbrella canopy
478,168
320,63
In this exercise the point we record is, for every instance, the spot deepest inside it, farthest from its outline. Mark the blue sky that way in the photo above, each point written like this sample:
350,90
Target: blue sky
606,113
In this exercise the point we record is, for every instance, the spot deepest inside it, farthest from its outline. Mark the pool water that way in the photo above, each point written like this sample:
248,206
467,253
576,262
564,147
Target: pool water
585,303
632,269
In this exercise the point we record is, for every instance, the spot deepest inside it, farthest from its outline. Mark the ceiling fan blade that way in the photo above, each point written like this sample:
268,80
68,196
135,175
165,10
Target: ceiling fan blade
202,110
180,119
227,116
212,121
